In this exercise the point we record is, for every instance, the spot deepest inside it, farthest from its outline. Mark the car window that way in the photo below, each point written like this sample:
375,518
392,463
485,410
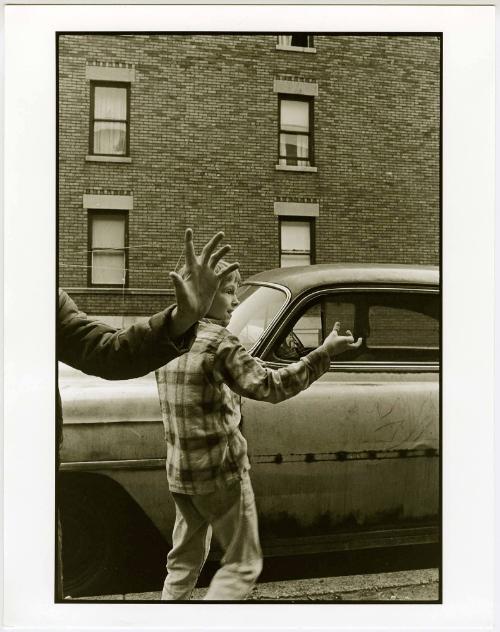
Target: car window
308,328
337,311
396,326
258,306
312,326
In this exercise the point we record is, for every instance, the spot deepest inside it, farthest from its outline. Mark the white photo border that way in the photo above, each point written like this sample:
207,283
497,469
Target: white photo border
468,309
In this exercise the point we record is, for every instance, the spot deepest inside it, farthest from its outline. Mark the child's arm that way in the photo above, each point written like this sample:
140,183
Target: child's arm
246,376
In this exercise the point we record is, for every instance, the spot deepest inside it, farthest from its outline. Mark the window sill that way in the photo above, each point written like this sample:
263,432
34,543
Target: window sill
296,168
108,159
296,49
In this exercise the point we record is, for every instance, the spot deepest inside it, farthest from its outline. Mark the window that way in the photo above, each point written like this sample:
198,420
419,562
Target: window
296,242
295,124
107,248
109,125
399,327
257,309
299,40
396,326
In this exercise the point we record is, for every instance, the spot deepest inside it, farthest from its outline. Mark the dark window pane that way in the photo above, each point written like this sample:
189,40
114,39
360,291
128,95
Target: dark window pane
301,40
336,311
393,327
304,336
396,327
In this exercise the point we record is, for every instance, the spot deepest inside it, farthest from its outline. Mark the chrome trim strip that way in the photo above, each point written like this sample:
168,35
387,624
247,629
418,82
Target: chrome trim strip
155,464
372,367
104,422
129,464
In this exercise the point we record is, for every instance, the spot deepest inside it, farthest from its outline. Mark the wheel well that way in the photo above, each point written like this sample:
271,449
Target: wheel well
105,489
106,511
73,482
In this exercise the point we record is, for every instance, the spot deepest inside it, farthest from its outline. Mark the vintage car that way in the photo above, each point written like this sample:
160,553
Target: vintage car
352,462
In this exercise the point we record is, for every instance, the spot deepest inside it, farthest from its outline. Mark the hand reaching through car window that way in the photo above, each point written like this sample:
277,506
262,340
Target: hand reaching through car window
195,290
335,344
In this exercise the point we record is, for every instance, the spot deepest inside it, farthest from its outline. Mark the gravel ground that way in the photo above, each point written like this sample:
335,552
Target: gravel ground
415,585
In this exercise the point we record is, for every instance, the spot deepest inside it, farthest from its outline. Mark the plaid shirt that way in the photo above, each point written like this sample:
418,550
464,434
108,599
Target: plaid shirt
200,402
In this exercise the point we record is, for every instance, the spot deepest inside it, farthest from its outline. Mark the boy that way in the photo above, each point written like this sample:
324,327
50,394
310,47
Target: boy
207,462
117,354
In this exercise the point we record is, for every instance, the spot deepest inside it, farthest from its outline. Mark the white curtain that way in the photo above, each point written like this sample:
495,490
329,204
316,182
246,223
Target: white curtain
108,267
294,146
110,136
108,254
294,118
295,236
285,40
110,103
108,231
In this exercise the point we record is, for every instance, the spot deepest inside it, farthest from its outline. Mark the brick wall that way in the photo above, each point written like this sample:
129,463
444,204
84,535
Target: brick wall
204,148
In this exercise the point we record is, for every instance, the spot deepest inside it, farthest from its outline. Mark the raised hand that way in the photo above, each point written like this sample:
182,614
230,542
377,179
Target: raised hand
336,344
195,290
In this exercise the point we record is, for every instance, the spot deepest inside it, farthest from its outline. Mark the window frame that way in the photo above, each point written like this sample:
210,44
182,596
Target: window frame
312,235
109,84
309,46
303,303
282,96
91,214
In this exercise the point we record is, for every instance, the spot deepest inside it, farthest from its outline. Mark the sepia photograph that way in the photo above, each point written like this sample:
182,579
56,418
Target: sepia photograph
244,388
276,435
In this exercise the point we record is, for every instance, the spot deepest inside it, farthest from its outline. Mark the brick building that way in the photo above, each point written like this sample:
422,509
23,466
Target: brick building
302,148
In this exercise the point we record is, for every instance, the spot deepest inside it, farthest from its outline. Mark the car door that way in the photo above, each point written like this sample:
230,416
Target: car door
359,448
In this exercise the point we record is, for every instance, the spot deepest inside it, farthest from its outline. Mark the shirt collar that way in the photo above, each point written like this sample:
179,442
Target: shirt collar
213,321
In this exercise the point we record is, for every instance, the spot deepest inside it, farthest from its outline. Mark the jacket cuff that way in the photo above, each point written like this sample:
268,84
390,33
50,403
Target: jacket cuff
159,326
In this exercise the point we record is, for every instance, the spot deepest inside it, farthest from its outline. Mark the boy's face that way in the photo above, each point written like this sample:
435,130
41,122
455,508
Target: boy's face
225,300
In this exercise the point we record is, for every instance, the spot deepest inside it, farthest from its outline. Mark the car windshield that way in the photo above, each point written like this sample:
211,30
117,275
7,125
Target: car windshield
258,306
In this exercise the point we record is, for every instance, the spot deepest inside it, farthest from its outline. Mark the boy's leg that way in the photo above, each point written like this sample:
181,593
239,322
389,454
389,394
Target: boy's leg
190,547
237,531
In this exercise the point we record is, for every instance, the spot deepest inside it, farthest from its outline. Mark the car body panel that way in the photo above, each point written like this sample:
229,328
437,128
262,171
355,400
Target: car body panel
358,450
360,441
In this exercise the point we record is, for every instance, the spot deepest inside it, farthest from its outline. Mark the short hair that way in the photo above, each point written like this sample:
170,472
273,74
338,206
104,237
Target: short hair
219,266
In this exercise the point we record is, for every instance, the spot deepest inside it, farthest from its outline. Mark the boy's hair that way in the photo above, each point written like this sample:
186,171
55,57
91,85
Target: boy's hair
220,265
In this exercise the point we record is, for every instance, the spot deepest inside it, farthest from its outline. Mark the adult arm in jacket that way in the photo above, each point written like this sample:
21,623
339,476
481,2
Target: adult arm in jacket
115,354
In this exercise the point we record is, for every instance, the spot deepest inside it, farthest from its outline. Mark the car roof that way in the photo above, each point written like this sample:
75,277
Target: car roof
300,278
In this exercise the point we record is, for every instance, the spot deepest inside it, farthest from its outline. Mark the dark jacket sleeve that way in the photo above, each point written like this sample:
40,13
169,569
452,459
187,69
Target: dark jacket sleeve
115,354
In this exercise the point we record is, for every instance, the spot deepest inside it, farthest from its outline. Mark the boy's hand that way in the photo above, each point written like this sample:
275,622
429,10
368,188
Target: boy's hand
335,344
194,294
